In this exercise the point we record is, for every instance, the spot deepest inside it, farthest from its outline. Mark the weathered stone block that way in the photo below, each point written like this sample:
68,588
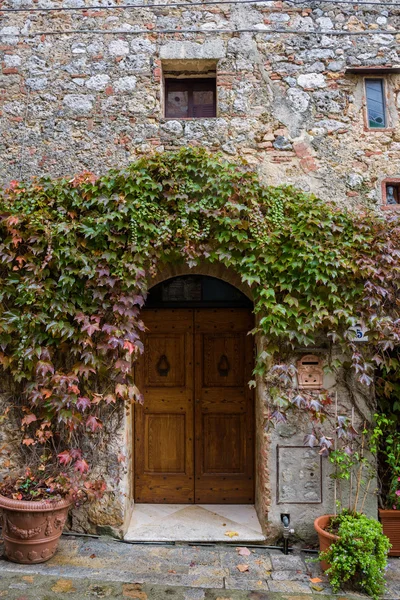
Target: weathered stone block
311,81
78,103
210,49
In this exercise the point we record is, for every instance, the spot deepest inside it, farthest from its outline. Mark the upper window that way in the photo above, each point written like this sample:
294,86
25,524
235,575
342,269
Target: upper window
190,98
376,109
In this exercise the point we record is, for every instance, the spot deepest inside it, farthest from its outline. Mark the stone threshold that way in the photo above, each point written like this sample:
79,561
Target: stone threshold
194,523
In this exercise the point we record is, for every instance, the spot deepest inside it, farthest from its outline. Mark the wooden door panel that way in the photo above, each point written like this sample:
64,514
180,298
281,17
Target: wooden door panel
223,451
223,353
224,410
164,427
164,360
165,436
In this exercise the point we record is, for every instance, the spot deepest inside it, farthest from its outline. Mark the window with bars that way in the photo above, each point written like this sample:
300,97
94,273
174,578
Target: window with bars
190,98
376,108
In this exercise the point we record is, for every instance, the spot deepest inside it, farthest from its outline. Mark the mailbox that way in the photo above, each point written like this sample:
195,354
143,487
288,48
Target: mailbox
310,374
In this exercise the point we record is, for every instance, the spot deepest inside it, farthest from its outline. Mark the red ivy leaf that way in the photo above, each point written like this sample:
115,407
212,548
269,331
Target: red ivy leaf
93,423
129,346
81,466
44,367
28,441
29,419
76,453
83,403
91,328
64,457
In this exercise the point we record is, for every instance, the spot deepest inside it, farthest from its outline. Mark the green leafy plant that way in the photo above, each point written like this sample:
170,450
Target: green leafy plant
386,442
359,557
77,257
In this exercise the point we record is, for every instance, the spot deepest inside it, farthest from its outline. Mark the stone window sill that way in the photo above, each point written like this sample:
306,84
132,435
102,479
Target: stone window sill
379,129
393,207
164,119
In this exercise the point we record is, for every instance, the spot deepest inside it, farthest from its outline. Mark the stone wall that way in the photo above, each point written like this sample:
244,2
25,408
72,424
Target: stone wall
93,100
302,474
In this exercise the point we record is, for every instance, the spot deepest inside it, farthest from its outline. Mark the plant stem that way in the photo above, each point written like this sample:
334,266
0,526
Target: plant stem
360,470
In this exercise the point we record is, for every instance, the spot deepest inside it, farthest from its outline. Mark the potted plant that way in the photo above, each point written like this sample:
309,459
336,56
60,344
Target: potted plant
356,554
35,504
353,547
387,434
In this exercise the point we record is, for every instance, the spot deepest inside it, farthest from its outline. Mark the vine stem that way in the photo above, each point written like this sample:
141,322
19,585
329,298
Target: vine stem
360,470
351,472
365,496
336,467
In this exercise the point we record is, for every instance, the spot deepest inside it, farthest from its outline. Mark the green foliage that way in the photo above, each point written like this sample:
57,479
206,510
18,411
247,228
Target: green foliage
77,257
359,557
386,443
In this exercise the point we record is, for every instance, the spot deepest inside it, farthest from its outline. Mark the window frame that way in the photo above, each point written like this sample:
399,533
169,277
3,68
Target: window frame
191,84
386,127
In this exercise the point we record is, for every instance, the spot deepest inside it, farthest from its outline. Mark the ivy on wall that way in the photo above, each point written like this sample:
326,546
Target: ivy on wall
77,256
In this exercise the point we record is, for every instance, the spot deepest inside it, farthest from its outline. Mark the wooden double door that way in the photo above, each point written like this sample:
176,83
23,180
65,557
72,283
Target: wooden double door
194,435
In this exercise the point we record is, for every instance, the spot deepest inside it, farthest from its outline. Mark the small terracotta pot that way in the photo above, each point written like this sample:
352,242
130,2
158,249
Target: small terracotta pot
325,538
390,520
31,530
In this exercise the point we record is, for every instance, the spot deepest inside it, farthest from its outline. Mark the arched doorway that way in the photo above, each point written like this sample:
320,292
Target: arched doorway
194,436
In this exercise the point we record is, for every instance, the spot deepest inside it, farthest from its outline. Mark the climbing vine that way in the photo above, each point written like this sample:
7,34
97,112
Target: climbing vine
77,256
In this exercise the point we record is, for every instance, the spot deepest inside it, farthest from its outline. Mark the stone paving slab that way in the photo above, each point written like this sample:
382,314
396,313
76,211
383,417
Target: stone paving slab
42,587
192,572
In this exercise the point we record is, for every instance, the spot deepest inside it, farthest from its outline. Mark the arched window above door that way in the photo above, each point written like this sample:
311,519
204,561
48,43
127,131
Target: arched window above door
196,291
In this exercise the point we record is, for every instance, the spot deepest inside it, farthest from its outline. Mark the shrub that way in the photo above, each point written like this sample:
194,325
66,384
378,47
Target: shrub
359,557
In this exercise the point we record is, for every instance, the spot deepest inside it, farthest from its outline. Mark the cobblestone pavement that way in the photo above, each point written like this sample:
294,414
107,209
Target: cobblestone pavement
105,568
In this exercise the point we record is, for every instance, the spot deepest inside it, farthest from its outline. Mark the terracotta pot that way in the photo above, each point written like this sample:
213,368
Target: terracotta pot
390,520
325,538
31,530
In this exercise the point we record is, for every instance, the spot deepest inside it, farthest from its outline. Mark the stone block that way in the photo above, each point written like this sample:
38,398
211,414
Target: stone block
119,48
280,562
78,104
311,81
210,49
98,82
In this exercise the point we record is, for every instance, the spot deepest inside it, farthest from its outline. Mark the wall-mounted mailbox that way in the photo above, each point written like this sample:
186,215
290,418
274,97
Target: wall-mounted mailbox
310,373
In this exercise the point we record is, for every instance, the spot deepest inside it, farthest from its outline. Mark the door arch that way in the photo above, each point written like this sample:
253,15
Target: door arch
194,436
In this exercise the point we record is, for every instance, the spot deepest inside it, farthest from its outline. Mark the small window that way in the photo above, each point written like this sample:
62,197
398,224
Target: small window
392,196
190,98
375,94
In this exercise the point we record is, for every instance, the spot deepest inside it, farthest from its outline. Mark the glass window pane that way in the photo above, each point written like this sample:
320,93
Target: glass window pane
189,291
177,104
203,103
375,103
190,98
392,193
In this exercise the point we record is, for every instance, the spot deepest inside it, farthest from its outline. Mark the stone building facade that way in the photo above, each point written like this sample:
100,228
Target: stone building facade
83,88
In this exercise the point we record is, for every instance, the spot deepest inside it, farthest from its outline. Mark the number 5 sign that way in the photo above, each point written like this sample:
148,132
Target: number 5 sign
360,333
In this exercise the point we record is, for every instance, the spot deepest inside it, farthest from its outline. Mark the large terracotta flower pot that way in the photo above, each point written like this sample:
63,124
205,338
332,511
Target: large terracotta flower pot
31,530
390,520
325,538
